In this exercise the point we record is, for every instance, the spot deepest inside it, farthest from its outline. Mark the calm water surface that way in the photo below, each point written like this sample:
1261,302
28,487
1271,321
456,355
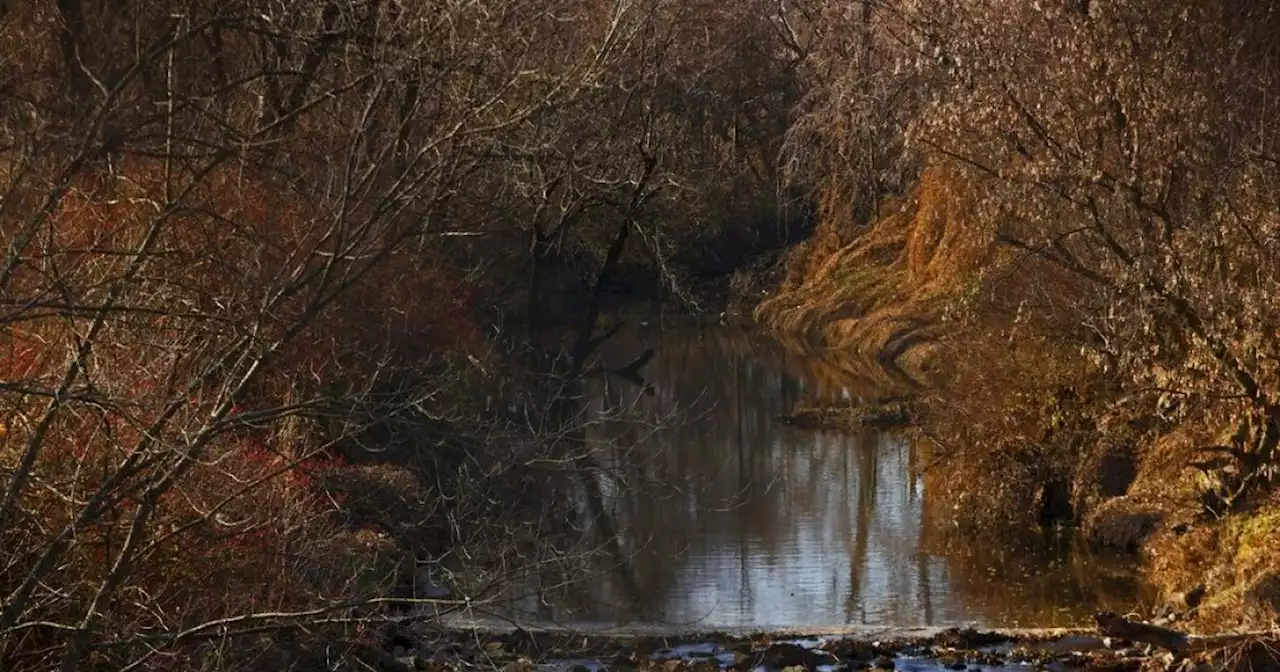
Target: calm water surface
731,518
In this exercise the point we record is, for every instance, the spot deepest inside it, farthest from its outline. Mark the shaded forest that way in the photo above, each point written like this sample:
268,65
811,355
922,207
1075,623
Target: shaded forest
297,298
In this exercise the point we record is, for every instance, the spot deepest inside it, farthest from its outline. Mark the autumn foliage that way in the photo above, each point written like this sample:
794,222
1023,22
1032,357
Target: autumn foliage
191,333
268,265
1111,167
250,511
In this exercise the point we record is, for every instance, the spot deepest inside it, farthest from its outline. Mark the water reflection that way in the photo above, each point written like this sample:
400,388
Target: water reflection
730,518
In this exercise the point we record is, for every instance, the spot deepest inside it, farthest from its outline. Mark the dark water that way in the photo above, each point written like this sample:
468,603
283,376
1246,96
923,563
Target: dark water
730,518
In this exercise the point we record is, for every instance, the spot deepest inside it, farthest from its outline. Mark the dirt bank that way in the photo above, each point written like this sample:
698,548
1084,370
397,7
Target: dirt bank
880,288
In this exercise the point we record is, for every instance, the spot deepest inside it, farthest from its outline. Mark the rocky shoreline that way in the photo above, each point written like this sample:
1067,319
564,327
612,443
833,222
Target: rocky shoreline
634,649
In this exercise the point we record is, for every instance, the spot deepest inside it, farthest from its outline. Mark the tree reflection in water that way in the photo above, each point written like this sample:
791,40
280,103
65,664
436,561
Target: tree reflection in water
746,521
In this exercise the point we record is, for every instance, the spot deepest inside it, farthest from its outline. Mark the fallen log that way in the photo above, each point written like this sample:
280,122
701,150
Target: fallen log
1113,625
1239,652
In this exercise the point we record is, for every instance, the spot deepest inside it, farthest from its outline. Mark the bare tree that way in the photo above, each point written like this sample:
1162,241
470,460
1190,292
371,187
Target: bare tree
186,223
1117,160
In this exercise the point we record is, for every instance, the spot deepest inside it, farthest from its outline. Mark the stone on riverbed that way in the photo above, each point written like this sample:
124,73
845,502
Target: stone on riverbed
969,638
955,650
851,649
784,655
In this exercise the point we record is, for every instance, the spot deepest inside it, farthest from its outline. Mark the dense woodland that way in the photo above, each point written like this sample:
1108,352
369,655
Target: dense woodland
297,296
296,293
1066,214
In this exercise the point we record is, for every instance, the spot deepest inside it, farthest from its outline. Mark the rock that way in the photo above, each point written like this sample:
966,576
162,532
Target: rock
783,655
851,649
969,638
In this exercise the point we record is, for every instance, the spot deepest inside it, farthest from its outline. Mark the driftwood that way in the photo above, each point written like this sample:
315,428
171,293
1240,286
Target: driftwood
1112,625
1247,651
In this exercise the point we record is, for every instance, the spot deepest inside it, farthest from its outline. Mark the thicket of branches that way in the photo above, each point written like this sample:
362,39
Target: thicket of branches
1122,155
249,354
272,269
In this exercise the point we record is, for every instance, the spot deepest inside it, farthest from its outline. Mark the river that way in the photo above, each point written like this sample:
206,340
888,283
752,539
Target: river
730,518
